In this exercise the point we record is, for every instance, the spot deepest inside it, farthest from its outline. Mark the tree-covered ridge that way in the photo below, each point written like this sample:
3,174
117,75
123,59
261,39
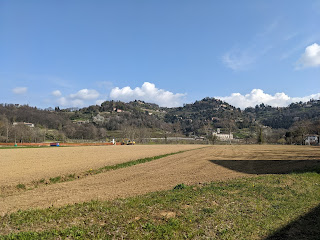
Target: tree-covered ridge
285,117
207,113
140,120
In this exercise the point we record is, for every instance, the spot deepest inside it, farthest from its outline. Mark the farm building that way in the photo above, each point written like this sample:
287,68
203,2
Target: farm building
223,136
312,140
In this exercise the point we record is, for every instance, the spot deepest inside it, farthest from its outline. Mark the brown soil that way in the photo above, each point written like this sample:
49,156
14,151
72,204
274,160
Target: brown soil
193,167
30,164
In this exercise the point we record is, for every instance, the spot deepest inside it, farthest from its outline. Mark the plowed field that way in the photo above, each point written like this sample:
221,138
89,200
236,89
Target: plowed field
25,165
197,166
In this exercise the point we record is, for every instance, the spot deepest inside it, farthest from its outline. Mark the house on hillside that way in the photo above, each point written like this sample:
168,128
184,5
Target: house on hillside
311,140
80,122
31,125
222,136
117,110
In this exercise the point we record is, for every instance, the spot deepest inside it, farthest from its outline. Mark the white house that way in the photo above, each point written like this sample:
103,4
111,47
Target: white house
31,125
223,136
311,140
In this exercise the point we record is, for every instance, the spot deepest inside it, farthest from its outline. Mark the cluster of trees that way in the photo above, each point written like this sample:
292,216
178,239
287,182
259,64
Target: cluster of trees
297,133
94,123
20,132
284,117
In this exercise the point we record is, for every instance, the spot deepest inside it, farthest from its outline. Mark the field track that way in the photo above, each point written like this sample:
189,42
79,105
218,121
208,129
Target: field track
192,167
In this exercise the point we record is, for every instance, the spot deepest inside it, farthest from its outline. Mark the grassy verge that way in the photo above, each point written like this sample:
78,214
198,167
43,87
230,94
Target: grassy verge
249,208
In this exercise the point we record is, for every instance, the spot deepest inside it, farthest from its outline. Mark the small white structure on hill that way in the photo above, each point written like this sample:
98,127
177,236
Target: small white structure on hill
311,140
31,125
223,136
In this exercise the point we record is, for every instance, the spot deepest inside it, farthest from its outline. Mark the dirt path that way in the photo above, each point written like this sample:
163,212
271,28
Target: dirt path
26,165
200,165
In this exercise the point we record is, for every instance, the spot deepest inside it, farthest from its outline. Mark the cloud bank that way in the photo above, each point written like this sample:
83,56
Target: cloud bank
148,93
310,58
79,99
257,96
20,90
85,94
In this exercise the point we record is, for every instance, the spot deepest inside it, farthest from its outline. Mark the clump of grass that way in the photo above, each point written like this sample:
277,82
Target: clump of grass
21,186
55,179
180,186
71,177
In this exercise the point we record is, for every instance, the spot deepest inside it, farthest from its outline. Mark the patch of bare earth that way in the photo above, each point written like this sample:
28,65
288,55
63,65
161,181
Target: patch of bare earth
30,164
192,167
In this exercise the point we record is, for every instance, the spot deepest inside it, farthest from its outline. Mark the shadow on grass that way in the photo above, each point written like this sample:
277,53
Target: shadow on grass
305,227
270,166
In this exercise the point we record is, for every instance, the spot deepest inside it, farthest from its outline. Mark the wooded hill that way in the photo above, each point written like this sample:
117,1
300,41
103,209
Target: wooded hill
139,120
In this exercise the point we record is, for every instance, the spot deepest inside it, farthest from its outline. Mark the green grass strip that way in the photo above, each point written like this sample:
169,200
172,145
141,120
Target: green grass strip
132,163
281,206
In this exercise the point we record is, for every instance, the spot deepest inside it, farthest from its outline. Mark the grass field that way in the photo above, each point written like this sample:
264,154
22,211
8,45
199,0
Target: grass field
224,192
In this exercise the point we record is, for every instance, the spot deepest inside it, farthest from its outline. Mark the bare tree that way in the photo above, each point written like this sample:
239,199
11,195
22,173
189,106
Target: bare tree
230,125
300,130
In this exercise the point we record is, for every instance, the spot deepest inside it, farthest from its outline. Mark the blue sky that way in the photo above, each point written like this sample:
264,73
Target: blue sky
79,53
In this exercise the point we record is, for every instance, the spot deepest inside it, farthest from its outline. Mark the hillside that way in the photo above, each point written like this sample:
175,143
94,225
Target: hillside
140,120
207,114
285,117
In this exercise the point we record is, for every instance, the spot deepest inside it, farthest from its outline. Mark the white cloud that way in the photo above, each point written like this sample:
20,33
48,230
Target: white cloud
62,101
56,93
237,60
310,58
82,98
257,96
148,93
20,90
85,94
67,102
